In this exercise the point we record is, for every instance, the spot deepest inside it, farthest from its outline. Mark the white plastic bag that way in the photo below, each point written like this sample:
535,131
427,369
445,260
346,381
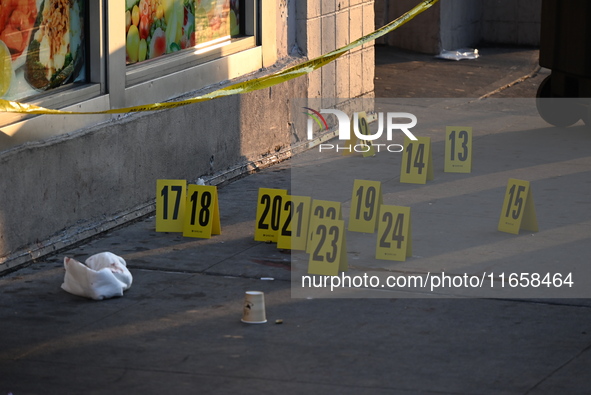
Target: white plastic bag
104,276
459,54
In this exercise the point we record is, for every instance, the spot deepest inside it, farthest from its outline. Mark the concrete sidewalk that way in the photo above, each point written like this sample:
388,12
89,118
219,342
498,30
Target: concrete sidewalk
178,329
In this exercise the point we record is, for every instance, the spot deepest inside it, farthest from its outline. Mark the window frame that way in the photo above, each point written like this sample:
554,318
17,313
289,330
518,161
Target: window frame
111,83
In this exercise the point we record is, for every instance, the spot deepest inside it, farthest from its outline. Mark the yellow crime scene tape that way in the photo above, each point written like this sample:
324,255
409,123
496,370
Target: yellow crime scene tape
241,87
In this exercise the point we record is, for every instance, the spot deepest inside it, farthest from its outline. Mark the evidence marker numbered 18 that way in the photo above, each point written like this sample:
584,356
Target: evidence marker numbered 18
202,218
458,149
417,161
268,216
293,224
170,205
365,205
518,210
394,233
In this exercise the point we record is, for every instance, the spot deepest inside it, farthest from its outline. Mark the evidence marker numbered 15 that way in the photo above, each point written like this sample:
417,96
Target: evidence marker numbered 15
458,149
170,205
518,210
202,218
268,216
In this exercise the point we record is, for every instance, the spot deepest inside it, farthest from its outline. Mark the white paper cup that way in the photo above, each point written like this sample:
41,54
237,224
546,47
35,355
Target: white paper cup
254,308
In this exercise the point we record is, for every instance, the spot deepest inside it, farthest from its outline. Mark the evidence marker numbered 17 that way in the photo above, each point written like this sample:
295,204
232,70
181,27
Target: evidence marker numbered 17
170,205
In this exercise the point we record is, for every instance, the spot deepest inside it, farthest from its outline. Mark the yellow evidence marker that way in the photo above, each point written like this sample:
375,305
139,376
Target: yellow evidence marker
365,205
417,161
203,214
295,216
394,233
518,210
365,146
268,215
458,149
170,205
328,251
322,209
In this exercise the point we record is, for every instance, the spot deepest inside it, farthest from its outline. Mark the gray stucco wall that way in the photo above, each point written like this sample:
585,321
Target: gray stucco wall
56,192
55,189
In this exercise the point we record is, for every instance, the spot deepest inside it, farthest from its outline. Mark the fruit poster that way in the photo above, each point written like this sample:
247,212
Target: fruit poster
41,46
158,27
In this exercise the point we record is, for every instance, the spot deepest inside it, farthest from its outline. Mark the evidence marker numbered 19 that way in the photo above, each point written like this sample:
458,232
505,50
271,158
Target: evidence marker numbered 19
518,210
417,161
394,233
458,149
293,224
268,216
170,205
365,205
202,218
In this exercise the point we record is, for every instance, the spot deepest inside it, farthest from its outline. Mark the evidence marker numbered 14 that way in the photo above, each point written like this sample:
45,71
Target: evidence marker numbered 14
417,161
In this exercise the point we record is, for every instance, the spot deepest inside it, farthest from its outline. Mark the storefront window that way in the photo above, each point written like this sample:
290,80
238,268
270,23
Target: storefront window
159,27
42,46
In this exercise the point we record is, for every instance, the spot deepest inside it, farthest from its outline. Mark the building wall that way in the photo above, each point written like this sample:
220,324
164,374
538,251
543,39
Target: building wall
454,24
61,190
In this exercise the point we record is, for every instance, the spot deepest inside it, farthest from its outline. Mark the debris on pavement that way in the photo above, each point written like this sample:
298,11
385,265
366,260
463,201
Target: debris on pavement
459,54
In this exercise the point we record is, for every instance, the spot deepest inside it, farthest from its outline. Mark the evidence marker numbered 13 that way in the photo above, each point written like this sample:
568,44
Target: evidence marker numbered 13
202,218
518,210
170,205
293,224
458,149
268,217
394,234
365,205
417,161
